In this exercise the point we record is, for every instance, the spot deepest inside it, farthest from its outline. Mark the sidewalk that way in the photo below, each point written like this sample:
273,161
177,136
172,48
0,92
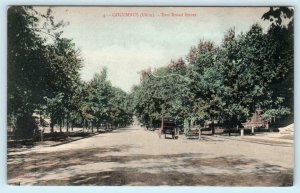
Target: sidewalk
274,139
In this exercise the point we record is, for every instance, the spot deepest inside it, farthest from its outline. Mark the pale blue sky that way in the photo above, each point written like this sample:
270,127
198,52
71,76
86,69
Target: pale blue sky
126,45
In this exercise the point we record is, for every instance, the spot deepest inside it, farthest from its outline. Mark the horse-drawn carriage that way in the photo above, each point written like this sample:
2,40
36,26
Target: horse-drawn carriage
169,127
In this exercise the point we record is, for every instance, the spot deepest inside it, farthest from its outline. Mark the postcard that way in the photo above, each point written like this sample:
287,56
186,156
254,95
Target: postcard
150,96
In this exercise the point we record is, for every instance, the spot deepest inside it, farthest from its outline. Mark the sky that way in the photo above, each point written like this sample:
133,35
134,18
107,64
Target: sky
127,40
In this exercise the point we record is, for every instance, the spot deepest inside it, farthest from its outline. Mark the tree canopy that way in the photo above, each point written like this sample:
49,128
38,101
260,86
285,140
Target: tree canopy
44,75
213,83
227,82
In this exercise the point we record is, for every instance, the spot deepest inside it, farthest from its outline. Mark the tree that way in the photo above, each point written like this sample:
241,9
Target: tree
40,71
224,83
281,46
120,114
107,104
277,15
63,77
162,93
27,67
206,84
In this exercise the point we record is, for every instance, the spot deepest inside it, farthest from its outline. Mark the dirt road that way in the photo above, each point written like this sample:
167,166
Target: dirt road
133,156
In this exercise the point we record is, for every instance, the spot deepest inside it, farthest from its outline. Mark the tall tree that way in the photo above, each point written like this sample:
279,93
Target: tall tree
27,67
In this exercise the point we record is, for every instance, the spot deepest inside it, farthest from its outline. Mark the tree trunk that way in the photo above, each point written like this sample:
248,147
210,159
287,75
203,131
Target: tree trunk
60,122
213,128
160,132
42,135
25,127
51,123
51,127
83,125
63,122
67,125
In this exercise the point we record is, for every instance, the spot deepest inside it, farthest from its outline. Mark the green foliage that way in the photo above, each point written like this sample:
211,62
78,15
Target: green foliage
276,15
106,104
43,74
225,83
163,93
28,66
26,61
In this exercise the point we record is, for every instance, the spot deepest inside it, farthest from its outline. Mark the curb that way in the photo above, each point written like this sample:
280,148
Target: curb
70,141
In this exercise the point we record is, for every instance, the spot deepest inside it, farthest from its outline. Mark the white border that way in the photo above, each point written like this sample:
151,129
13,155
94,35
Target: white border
87,189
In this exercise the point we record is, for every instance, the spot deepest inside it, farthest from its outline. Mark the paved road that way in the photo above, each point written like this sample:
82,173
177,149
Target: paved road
133,156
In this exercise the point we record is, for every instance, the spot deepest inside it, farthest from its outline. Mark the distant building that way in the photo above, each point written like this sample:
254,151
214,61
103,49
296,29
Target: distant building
257,120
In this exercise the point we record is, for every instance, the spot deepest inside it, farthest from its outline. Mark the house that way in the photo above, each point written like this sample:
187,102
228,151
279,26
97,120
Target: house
256,121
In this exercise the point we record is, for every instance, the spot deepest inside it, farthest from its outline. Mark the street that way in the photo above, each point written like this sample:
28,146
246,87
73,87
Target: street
136,157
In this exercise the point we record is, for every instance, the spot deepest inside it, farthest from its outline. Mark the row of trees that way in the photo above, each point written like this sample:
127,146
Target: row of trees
43,75
224,83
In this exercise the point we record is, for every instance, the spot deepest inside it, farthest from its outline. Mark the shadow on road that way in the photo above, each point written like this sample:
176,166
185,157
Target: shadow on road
142,169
